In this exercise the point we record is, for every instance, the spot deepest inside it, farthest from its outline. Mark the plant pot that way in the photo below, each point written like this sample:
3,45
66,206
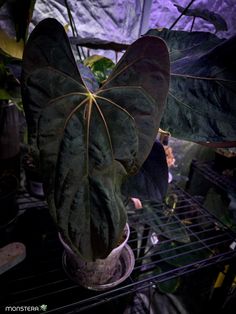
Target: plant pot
34,181
8,208
101,274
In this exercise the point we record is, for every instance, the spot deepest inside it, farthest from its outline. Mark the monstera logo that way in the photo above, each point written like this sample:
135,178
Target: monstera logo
43,307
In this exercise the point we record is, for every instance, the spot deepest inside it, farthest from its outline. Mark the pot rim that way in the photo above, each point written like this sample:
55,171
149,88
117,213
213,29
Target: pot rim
68,248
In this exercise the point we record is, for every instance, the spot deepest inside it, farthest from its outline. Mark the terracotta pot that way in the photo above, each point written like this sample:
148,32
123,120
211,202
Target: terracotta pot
101,274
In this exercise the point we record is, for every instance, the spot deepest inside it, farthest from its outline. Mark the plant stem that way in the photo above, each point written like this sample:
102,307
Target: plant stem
192,24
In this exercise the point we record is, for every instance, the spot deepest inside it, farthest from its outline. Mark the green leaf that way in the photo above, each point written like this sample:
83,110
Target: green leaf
100,66
209,16
201,104
10,46
90,142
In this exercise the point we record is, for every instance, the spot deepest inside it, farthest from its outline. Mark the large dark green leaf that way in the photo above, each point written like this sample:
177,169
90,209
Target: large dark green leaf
209,16
89,143
201,104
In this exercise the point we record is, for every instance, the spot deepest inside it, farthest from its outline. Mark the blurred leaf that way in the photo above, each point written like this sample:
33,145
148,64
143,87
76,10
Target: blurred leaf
201,104
10,47
219,206
182,255
100,66
169,286
209,16
21,13
4,95
2,2
164,222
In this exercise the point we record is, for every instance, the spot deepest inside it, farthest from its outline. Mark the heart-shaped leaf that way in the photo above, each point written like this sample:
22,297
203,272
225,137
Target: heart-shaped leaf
90,142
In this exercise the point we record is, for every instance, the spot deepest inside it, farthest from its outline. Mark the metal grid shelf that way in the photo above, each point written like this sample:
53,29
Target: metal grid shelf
185,239
206,169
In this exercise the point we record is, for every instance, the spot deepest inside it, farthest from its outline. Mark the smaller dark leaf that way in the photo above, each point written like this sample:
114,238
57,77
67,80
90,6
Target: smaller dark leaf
151,182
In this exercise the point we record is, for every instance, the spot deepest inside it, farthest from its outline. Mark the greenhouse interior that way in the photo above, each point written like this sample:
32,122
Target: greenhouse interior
118,156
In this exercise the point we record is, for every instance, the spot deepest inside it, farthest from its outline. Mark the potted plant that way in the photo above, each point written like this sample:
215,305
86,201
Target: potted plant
90,142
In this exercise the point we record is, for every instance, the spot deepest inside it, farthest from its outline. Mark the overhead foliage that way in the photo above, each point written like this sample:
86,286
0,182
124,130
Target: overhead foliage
90,142
201,104
209,16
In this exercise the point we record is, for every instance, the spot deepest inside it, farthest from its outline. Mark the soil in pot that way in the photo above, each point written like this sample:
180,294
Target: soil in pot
101,274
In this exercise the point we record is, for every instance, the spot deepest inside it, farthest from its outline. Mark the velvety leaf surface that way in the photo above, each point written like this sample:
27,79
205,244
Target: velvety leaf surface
201,105
140,82
90,142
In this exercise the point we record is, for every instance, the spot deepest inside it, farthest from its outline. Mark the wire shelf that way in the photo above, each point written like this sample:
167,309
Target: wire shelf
167,242
206,169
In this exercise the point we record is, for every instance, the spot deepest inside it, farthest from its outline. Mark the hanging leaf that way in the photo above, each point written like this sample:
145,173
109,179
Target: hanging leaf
151,182
90,142
209,16
21,13
201,104
164,222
